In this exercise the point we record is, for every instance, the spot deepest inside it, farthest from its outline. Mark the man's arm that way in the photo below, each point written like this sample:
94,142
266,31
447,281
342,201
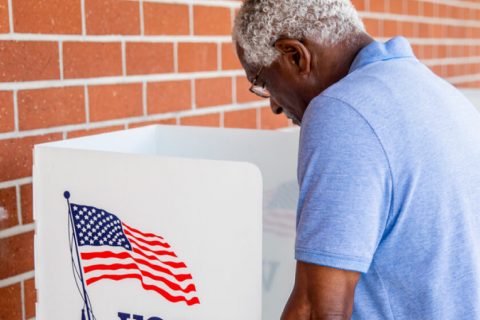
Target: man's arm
321,293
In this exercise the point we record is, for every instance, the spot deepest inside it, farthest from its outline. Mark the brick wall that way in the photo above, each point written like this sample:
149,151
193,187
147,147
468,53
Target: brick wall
76,67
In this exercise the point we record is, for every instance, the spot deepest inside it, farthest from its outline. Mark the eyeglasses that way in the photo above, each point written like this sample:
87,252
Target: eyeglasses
260,91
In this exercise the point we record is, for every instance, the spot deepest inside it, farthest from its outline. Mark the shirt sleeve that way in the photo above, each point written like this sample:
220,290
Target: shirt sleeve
345,187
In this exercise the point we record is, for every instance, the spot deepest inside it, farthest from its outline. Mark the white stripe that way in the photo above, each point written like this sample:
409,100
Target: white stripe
210,3
22,295
42,84
454,3
450,61
84,17
17,278
419,19
464,78
12,183
19,229
112,38
15,110
10,16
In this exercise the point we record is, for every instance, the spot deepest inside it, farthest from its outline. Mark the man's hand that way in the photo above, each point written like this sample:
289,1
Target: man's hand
321,293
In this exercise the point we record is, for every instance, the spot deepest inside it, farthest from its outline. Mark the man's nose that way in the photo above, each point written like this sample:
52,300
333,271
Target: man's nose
276,108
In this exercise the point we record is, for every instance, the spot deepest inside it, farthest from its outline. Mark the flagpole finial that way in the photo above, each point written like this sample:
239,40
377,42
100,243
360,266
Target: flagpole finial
66,194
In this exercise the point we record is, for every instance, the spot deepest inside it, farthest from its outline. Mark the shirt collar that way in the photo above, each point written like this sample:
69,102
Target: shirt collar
394,48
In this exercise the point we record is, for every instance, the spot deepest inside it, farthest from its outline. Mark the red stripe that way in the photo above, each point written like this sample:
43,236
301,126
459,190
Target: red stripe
140,232
172,264
162,292
152,243
159,252
130,266
126,255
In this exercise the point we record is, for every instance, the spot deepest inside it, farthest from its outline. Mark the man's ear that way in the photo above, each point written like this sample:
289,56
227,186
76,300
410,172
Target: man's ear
295,52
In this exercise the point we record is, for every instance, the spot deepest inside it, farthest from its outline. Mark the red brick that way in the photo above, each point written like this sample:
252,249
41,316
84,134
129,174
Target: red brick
269,120
88,132
17,254
7,122
243,92
408,29
390,28
30,298
47,16
115,101
429,9
208,120
229,58
16,155
372,26
424,30
28,60
26,203
4,20
241,119
397,6
436,69
169,96
359,4
457,51
91,59
443,11
148,123
112,17
213,92
11,302
437,31
377,5
197,57
149,58
413,7
211,21
44,108
8,208
165,19
428,52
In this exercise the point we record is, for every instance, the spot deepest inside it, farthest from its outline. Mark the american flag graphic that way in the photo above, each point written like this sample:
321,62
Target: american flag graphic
111,249
279,209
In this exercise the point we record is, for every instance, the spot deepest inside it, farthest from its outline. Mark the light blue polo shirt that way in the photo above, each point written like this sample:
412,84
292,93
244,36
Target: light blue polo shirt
389,174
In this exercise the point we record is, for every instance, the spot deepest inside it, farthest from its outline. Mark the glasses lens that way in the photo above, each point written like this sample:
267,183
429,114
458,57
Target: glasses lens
260,91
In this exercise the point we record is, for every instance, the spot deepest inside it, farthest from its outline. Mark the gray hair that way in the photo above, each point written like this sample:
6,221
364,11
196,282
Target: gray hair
260,23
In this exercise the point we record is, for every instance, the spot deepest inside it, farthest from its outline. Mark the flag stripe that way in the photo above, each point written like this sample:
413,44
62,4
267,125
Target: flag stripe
152,243
172,264
159,252
132,266
164,293
147,235
124,255
179,277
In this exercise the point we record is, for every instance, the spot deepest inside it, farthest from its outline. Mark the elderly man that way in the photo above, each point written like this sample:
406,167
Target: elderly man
388,221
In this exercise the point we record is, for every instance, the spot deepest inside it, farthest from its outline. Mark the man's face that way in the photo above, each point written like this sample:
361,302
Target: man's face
285,91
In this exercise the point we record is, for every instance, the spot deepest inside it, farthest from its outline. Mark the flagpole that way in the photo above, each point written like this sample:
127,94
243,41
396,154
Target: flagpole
66,194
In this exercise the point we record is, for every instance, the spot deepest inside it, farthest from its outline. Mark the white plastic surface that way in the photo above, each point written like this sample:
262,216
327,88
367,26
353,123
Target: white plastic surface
191,185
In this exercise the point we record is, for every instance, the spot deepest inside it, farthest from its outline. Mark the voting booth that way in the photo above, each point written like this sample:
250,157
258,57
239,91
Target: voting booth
165,222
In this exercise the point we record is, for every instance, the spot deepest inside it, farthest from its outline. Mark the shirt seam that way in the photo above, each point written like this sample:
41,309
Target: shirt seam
392,198
332,255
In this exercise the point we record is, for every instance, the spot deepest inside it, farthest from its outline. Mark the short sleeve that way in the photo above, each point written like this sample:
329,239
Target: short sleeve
345,187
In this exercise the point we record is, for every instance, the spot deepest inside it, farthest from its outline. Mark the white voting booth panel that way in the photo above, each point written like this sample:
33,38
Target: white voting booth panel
165,222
